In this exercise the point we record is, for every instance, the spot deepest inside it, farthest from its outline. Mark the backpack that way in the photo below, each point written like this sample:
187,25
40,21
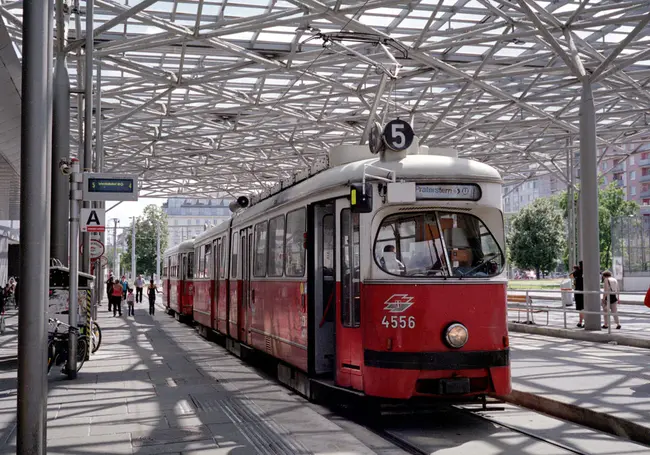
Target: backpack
117,287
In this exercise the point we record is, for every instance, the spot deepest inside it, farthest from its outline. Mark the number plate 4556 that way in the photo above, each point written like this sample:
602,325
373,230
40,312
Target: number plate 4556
402,322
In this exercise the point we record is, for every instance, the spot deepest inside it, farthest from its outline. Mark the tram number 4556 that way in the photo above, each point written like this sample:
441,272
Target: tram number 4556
402,322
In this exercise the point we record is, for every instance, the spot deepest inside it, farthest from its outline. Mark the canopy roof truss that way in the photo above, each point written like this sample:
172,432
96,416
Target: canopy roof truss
230,96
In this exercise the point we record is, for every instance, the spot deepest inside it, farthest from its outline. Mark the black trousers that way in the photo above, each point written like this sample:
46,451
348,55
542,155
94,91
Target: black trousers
152,306
138,295
117,307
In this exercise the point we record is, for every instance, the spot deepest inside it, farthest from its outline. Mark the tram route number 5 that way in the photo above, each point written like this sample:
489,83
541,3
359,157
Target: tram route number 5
398,135
402,322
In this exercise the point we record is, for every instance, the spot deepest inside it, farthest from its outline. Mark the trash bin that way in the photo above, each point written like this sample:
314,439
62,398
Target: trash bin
60,297
567,292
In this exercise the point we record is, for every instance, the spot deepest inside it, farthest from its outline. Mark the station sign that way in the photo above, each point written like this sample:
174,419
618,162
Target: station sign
443,191
96,249
92,220
398,135
109,187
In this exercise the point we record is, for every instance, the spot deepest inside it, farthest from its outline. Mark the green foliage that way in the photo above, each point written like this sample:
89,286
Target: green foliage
145,241
611,204
536,237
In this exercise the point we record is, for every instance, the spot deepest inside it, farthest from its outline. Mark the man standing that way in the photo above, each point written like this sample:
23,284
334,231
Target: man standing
139,285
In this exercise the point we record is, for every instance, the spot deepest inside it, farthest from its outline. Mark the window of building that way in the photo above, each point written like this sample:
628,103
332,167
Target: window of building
259,266
633,175
633,191
632,160
276,246
295,243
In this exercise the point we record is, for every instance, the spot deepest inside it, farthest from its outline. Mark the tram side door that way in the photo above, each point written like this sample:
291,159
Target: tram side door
349,348
243,319
322,289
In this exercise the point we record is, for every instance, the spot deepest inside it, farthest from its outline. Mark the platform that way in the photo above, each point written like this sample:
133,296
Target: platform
155,386
609,379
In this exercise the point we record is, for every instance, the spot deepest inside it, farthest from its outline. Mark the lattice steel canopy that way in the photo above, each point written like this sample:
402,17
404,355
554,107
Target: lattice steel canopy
200,97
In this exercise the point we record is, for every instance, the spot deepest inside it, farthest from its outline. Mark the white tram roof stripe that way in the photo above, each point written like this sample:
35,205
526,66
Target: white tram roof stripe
185,247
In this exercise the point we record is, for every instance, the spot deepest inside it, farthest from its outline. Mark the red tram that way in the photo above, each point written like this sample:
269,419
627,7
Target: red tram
384,276
178,272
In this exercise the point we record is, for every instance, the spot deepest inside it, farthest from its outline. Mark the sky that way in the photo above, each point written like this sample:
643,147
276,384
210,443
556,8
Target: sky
125,210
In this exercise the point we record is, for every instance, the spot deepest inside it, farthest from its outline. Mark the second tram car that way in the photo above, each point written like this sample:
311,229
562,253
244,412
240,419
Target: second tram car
178,274
385,276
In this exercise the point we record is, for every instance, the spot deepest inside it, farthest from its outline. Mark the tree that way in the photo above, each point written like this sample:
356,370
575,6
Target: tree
536,238
145,240
611,204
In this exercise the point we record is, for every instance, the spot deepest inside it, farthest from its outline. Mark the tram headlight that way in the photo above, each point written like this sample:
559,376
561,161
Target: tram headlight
456,335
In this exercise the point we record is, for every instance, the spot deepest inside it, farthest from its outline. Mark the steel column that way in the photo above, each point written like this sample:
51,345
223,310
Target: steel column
115,264
589,206
571,216
88,120
158,254
133,263
34,214
99,167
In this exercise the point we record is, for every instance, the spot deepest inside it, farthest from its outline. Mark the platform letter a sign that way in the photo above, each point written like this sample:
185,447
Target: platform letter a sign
92,220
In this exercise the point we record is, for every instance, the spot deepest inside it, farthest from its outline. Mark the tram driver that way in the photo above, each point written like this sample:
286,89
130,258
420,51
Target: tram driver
390,262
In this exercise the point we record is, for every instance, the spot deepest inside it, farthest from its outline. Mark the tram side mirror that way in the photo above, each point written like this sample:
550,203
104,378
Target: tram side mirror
360,202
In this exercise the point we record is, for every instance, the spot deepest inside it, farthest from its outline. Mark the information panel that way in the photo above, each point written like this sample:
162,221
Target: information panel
110,187
444,191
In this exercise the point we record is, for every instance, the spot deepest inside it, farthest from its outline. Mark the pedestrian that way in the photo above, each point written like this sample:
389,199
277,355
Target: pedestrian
2,299
610,298
151,293
579,297
139,284
117,298
125,287
17,294
109,292
130,302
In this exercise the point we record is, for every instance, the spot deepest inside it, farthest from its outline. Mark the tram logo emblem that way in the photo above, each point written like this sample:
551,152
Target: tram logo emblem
398,303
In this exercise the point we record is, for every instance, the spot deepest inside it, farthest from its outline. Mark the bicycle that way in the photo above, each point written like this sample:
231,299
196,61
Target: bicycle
57,346
96,336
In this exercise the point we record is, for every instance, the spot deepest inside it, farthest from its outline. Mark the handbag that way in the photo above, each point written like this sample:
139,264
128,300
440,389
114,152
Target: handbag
612,297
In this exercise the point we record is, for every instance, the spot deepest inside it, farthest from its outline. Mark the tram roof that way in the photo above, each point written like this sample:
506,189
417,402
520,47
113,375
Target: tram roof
183,247
224,97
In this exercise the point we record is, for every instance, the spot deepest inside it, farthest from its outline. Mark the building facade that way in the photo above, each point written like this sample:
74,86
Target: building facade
187,218
516,197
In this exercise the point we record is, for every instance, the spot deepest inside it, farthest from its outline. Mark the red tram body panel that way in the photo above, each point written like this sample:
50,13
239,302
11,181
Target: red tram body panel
400,298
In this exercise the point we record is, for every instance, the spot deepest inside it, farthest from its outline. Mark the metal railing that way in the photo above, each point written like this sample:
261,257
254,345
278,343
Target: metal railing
530,307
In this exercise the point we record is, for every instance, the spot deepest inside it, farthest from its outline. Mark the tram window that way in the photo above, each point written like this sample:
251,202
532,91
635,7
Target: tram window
223,257
295,243
437,244
234,253
190,265
350,295
259,266
276,246
207,258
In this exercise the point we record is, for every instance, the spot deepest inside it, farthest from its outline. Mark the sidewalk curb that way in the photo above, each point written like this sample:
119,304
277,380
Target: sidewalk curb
581,416
582,335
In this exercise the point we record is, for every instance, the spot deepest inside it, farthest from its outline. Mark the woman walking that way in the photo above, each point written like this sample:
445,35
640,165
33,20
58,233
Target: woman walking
610,290
151,293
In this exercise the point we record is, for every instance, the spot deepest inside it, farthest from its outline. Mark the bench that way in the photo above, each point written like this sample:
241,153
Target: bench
522,299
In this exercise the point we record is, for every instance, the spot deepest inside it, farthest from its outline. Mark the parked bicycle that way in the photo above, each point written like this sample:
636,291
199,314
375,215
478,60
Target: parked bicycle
95,336
57,346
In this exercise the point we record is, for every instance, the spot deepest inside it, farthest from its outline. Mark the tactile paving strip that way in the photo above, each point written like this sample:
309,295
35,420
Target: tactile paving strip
265,435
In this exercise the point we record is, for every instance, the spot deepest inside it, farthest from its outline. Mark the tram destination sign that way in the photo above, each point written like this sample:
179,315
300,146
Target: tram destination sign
443,191
110,187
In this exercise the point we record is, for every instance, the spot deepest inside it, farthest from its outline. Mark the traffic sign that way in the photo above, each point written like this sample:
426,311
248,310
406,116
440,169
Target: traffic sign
109,187
398,135
96,249
92,220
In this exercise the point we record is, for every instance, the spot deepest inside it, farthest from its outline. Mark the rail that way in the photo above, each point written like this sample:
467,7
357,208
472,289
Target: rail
535,301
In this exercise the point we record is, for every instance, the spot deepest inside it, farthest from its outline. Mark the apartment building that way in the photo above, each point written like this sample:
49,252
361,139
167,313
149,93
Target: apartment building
187,217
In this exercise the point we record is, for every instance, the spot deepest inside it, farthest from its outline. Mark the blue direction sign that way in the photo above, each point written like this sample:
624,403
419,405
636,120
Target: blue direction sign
110,187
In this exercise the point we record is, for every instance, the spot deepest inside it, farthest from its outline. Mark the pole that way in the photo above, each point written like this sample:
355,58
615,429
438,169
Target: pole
571,208
158,254
88,119
99,167
589,207
373,110
34,212
60,142
115,267
75,197
133,250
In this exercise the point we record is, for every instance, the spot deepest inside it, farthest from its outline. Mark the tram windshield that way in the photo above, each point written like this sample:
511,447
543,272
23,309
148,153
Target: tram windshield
437,244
